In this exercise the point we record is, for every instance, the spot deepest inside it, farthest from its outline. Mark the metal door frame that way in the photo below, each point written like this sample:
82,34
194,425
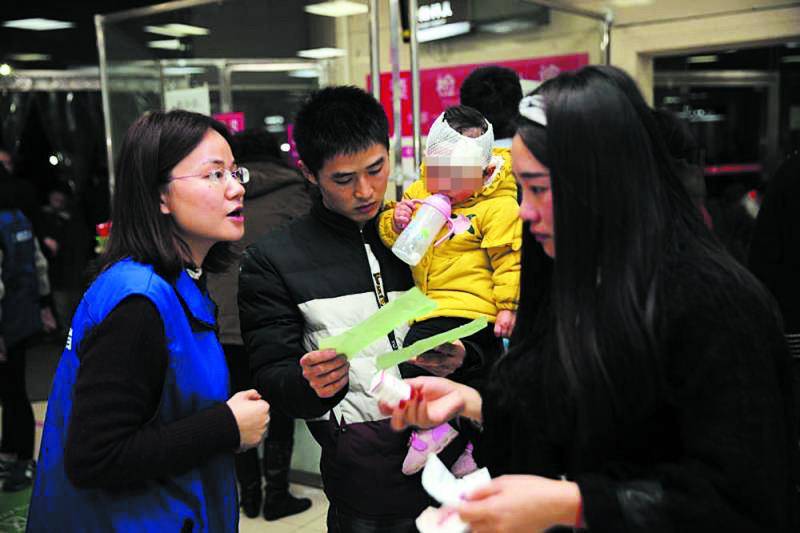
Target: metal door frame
736,79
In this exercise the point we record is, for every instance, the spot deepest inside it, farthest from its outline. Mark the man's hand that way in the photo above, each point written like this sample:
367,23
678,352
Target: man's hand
504,323
51,245
48,320
444,360
402,215
325,371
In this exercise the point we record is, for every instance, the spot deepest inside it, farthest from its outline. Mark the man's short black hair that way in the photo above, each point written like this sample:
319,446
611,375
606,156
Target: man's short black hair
338,120
495,92
463,117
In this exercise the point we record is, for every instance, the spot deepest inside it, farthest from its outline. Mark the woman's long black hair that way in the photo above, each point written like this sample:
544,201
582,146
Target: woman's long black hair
153,146
588,330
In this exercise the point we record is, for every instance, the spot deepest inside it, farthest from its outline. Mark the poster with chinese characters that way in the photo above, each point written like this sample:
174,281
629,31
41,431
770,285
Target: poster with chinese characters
439,87
194,99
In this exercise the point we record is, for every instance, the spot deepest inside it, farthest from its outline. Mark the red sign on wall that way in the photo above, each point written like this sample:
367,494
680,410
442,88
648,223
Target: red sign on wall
234,120
439,86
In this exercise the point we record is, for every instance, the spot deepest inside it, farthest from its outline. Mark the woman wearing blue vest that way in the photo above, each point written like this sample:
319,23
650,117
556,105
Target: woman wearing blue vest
140,431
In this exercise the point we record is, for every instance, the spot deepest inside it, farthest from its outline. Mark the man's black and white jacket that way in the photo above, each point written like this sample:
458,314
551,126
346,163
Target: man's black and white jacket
317,277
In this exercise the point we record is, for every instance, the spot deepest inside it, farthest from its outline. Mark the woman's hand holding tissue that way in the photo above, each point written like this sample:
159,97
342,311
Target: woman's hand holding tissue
521,503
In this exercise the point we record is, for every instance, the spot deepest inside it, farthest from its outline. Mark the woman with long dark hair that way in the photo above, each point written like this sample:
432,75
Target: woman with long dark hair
647,385
140,428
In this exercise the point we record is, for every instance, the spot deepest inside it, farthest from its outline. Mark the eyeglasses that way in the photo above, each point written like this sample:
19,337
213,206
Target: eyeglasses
218,175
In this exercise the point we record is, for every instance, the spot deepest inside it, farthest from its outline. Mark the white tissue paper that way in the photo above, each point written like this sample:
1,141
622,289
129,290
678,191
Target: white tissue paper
448,490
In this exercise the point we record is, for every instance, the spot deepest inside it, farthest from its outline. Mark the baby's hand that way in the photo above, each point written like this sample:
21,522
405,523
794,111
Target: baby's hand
504,323
402,215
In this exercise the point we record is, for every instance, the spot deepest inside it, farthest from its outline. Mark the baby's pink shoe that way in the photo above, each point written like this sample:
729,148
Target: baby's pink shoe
424,443
465,464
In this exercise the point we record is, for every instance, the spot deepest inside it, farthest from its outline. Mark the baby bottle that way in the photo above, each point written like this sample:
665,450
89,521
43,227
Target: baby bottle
425,225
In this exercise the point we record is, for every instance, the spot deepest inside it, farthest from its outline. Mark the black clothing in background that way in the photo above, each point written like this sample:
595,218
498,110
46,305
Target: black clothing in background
112,441
68,265
775,248
19,194
17,411
714,453
775,253
281,426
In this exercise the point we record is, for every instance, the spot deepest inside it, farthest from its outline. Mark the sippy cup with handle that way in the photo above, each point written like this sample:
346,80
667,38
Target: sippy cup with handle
426,224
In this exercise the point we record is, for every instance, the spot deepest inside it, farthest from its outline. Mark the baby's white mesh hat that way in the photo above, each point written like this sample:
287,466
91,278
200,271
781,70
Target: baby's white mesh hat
445,146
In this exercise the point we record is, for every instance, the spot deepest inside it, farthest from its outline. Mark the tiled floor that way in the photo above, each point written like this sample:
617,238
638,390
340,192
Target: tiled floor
310,521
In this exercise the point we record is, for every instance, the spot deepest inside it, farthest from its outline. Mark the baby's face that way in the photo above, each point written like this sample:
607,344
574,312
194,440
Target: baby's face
456,181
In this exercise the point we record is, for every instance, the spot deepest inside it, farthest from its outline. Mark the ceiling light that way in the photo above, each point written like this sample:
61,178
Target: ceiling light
322,53
38,24
270,67
53,160
702,59
181,71
177,30
507,26
629,3
167,44
337,8
29,57
790,59
442,32
305,73
188,29
5,69
285,147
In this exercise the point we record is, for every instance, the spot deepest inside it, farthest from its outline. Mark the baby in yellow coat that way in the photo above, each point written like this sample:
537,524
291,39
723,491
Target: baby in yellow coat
476,272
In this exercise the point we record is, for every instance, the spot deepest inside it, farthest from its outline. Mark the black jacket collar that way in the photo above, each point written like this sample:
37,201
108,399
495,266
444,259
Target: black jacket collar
339,223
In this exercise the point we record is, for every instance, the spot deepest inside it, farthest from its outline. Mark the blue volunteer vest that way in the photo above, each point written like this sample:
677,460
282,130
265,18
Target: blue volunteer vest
197,378
21,316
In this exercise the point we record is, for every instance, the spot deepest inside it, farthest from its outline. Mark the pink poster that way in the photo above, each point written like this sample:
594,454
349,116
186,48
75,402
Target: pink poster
234,120
439,86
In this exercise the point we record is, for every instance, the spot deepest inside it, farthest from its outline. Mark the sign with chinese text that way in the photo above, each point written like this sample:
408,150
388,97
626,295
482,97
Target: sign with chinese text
439,87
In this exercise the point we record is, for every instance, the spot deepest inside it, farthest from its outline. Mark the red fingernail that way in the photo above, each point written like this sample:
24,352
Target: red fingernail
413,394
402,404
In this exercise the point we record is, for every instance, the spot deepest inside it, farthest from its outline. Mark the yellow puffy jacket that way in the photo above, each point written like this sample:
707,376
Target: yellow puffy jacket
475,273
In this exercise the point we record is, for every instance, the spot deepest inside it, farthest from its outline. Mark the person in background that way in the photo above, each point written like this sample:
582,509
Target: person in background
775,253
495,91
276,194
141,427
67,246
18,193
687,158
647,388
24,311
6,160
